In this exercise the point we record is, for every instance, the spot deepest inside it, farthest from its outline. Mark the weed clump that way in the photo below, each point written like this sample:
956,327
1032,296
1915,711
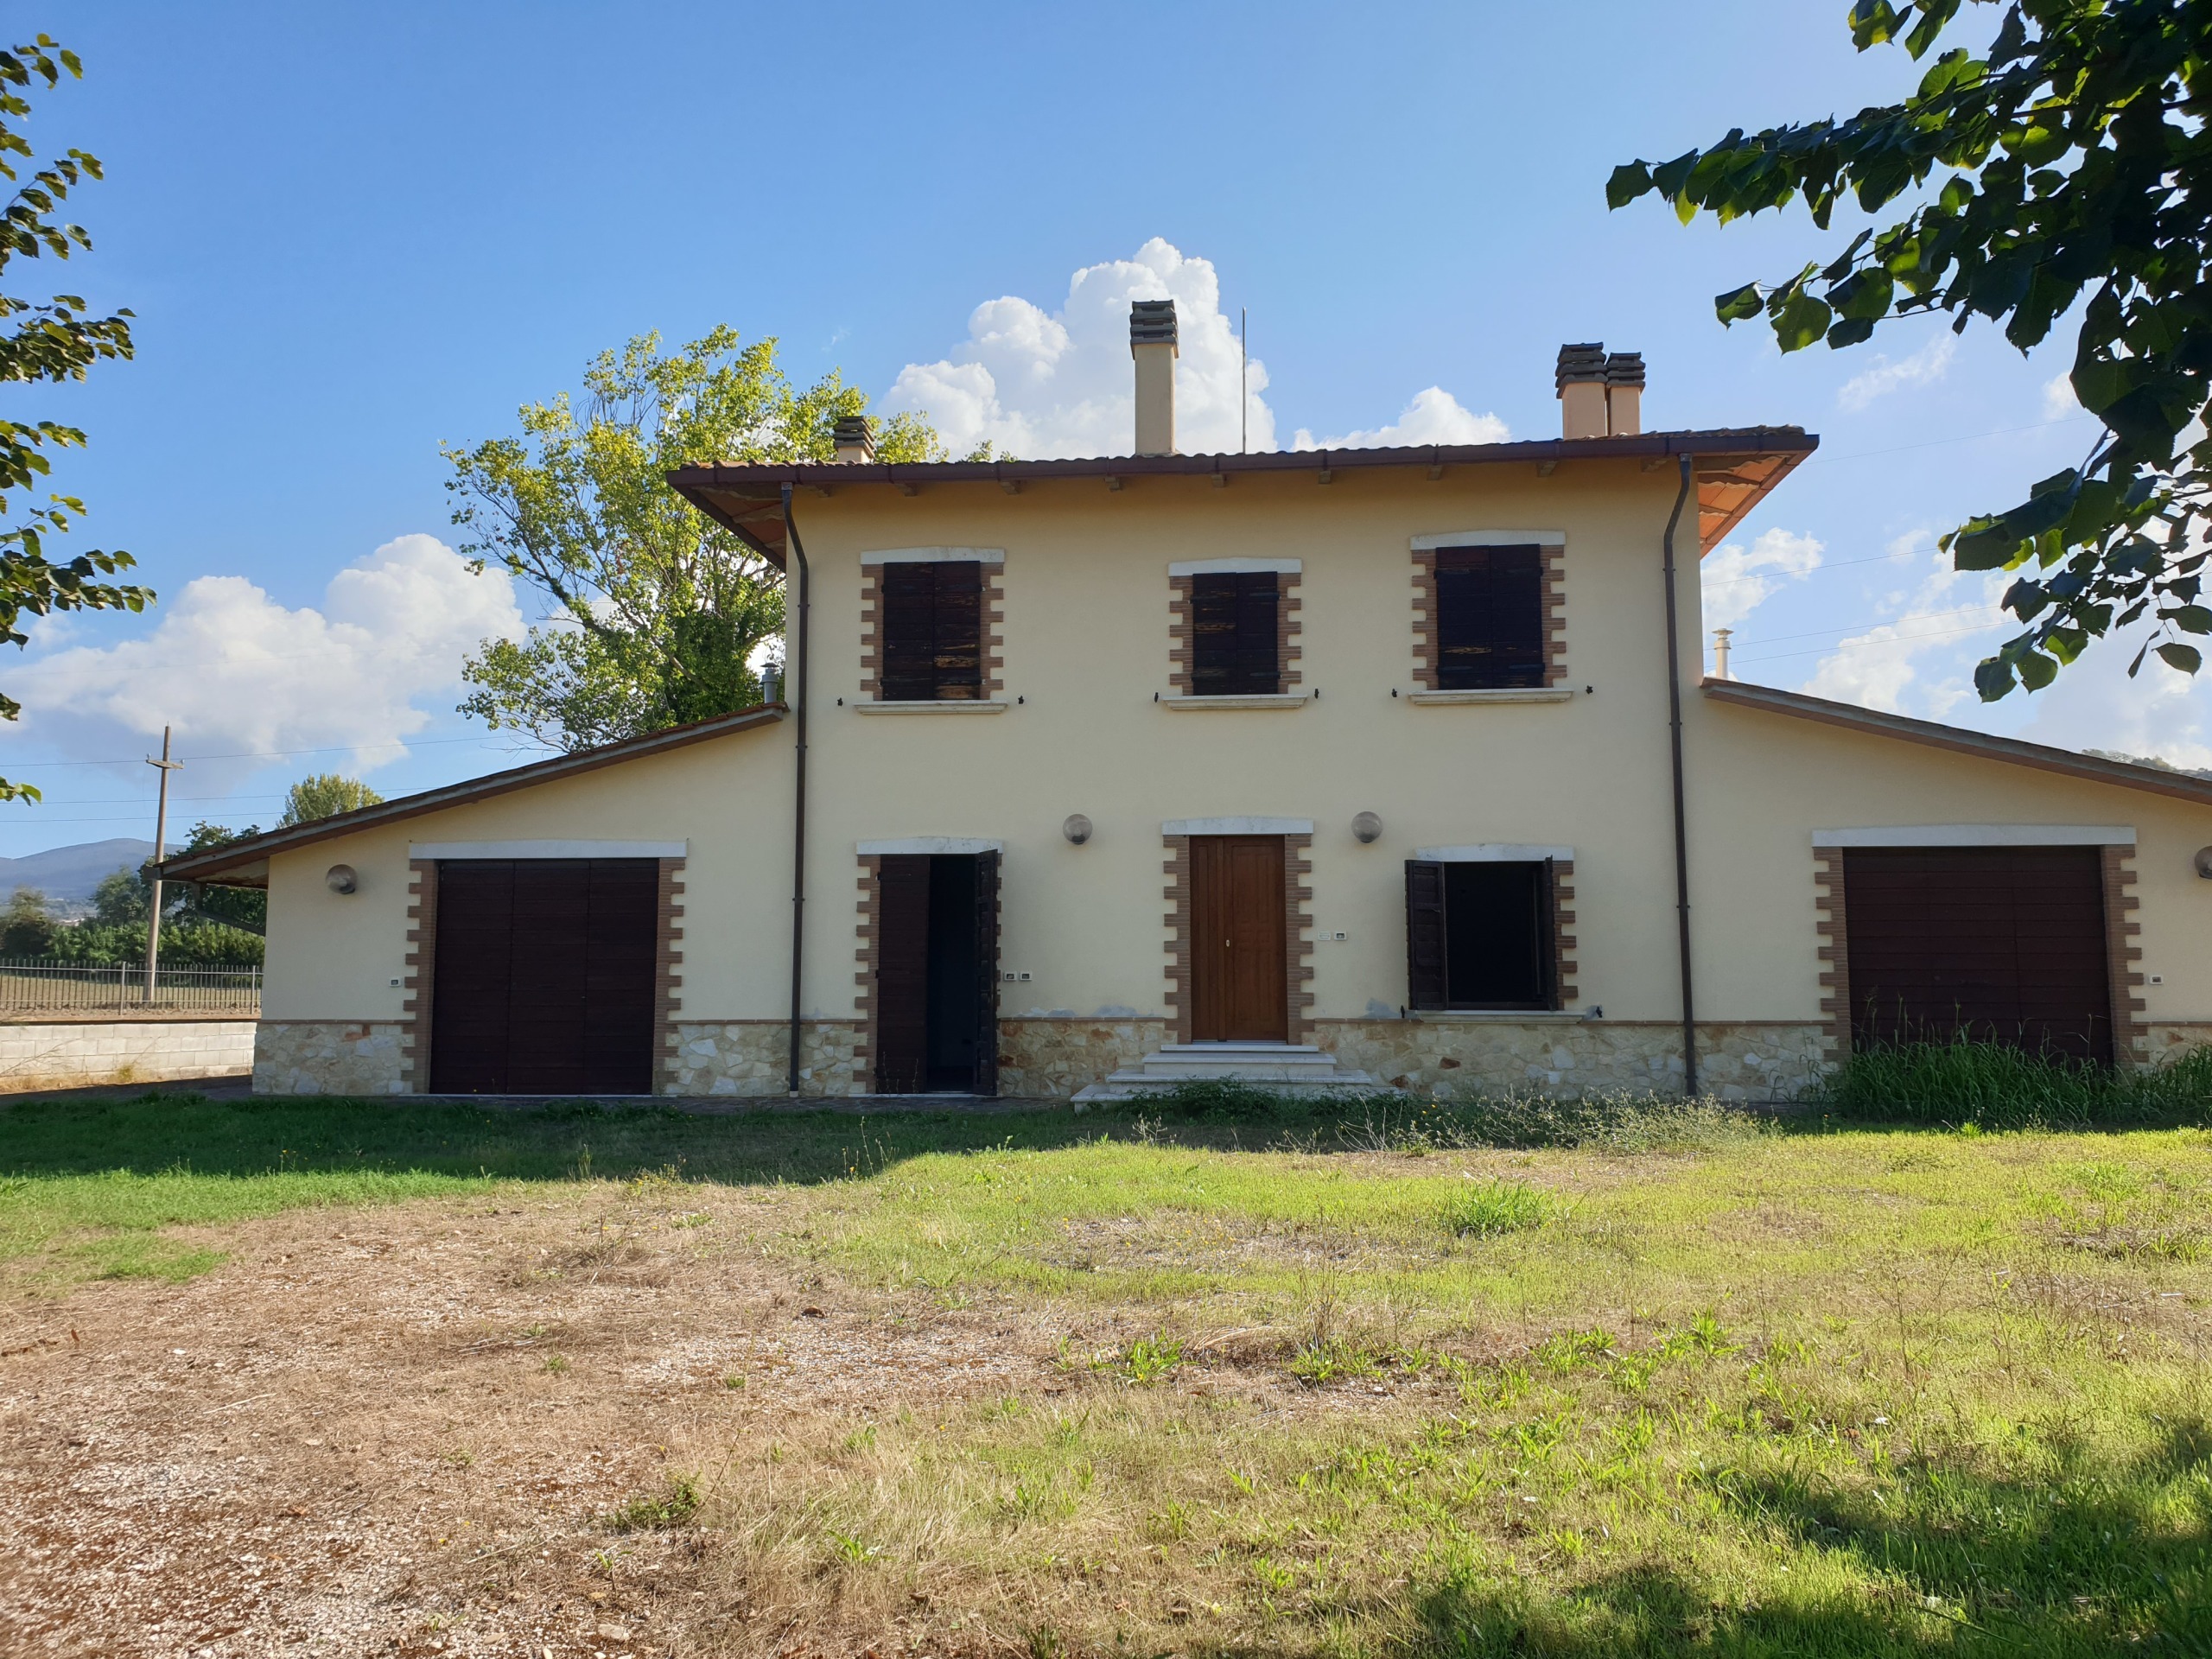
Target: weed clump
1992,1086
673,1506
1144,1362
1491,1209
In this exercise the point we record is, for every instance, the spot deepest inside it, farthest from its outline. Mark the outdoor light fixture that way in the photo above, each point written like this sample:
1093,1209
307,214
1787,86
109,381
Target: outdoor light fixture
340,878
1367,827
2204,862
1076,828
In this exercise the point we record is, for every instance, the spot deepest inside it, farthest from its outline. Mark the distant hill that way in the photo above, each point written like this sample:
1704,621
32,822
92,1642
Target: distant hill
68,874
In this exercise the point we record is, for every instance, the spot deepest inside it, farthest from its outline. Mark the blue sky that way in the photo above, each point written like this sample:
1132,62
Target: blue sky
351,233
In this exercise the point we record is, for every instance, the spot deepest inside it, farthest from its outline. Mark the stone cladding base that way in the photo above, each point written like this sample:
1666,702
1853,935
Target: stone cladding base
330,1057
1451,1058
751,1057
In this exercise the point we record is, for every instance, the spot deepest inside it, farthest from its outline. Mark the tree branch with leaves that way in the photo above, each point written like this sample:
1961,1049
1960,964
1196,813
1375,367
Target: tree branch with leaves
653,608
46,342
2069,165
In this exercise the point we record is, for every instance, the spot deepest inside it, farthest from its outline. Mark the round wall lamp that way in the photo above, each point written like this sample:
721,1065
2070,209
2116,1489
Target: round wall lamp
1367,827
1076,828
340,878
2204,862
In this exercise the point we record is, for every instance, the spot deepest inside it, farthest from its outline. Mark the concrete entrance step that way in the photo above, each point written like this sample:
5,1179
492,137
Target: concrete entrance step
1285,1068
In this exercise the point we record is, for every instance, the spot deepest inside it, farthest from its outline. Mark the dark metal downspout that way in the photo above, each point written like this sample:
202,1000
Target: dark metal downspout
797,674
1681,827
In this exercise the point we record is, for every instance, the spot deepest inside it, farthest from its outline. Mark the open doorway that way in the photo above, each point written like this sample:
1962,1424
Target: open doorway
936,973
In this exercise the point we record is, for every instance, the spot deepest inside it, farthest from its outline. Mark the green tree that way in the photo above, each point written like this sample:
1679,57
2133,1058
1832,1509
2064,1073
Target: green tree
27,927
122,899
653,608
247,908
43,343
323,795
2070,163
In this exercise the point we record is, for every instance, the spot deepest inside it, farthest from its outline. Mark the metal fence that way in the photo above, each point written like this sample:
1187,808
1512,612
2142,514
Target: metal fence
120,988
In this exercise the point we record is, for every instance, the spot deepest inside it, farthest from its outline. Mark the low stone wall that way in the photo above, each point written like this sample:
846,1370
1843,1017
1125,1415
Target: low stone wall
88,1053
330,1057
1747,1061
2164,1044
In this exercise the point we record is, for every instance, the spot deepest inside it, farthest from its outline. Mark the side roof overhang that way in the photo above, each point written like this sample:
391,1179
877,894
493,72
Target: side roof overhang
246,863
2122,774
1734,468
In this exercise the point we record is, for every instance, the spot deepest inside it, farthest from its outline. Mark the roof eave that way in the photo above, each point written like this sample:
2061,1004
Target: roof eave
2010,750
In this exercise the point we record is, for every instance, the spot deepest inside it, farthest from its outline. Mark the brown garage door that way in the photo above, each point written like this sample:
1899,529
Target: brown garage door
544,977
1999,944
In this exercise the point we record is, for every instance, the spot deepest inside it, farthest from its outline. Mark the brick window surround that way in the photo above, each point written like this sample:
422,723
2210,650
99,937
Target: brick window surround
2123,954
1298,924
1552,597
993,644
1182,630
864,954
419,990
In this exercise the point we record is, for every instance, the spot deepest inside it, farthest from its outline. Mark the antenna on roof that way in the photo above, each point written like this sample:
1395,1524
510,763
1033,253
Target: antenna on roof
1244,397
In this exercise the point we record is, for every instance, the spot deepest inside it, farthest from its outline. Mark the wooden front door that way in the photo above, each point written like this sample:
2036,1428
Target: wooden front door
1239,963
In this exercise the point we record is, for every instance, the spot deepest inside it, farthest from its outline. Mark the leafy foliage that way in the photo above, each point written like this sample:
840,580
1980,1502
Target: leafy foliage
654,607
325,795
27,927
243,908
2075,163
46,342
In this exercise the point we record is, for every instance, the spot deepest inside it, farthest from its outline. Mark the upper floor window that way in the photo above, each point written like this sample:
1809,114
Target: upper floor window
1490,617
1236,634
931,630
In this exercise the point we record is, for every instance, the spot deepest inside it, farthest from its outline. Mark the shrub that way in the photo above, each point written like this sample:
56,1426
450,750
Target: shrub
1992,1086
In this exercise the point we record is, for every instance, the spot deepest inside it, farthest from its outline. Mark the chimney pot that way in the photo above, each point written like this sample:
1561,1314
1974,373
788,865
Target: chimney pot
854,435
1152,343
1580,380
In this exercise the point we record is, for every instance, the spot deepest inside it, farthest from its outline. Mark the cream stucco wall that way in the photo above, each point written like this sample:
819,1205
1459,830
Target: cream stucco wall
1086,643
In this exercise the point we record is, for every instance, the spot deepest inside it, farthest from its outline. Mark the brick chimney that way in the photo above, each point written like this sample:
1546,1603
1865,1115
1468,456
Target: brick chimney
1151,342
1580,380
855,438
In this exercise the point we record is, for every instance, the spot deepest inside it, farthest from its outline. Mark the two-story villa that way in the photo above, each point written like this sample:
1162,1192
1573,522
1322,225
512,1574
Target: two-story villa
1388,766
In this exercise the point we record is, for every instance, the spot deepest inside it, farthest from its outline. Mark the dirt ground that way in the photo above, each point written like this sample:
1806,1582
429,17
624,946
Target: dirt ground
425,1468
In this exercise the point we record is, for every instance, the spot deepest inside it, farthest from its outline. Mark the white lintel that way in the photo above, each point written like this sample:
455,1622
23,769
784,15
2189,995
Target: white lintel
435,849
1494,852
1491,538
1235,566
934,555
1980,835
969,845
1237,827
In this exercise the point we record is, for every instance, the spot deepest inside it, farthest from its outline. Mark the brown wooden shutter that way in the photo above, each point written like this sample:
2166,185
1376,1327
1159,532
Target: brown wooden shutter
902,973
986,972
957,665
1259,667
1235,650
1547,935
1491,622
1424,934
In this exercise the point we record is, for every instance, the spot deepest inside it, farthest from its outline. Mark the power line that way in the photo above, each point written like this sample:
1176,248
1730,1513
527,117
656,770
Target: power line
1860,645
274,754
1878,622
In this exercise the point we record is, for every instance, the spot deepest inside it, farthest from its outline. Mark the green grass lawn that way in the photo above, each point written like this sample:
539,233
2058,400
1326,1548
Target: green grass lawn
1688,1384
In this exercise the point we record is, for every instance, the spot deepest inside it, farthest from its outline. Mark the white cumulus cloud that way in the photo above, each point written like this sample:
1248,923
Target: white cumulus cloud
2058,398
1949,614
1433,417
1924,368
232,670
1738,580
1037,384
1040,384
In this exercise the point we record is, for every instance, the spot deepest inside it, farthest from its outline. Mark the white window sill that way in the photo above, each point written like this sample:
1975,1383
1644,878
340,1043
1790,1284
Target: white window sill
947,705
1284,700
1498,1016
1504,694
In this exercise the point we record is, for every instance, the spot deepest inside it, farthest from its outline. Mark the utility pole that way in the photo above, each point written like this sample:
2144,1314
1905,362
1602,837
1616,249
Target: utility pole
164,766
